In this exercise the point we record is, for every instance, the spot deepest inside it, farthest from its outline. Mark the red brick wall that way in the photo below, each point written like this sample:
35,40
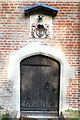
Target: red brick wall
14,34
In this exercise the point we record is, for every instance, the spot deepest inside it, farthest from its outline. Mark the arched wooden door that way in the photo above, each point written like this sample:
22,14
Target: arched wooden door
39,86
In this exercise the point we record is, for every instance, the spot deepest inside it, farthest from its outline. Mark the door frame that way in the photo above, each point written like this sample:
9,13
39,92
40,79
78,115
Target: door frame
36,48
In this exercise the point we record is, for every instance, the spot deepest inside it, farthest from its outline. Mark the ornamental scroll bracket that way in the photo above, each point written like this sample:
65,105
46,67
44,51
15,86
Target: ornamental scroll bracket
40,19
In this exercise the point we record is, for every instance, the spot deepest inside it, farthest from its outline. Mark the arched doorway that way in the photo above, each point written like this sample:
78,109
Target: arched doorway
16,57
39,85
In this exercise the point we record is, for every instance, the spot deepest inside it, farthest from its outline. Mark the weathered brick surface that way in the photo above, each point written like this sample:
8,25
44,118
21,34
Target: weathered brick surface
14,34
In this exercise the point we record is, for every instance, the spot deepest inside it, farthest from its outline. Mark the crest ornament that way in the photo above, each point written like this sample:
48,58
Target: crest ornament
40,30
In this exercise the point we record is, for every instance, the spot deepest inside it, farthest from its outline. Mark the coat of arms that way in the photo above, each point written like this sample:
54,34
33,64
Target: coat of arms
40,30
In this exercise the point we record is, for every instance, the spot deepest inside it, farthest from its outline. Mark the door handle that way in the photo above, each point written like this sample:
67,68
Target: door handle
47,85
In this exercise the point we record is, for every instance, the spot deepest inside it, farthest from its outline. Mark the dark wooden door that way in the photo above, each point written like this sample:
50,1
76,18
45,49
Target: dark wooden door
39,84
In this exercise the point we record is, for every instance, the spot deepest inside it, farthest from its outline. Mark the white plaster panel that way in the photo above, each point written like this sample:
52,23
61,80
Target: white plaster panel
46,20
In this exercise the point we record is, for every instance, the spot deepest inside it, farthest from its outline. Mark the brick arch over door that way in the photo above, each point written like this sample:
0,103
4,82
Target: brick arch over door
66,71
